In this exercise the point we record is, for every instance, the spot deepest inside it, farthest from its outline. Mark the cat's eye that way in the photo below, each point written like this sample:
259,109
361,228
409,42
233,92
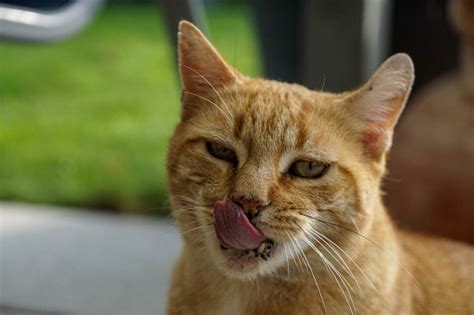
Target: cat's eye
308,169
221,152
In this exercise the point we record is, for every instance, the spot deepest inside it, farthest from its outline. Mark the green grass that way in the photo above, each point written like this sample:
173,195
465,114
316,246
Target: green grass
86,122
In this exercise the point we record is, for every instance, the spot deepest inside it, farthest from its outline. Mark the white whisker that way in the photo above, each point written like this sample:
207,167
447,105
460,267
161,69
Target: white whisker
350,258
311,271
296,252
335,226
211,85
211,102
335,255
334,274
287,262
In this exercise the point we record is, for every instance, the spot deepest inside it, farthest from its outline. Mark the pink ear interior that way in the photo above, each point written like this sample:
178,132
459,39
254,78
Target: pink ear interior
379,103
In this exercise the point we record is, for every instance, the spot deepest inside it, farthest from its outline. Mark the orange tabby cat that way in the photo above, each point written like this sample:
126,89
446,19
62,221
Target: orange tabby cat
276,191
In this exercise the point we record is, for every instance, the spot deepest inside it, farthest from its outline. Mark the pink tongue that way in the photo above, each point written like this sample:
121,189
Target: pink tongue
233,228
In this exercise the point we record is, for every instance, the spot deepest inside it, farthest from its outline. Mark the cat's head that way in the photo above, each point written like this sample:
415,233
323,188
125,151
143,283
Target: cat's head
260,170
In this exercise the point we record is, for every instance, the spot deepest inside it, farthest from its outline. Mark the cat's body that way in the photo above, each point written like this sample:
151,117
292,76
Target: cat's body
276,192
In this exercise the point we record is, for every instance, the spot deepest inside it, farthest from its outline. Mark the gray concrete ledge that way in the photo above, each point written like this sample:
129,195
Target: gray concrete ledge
60,261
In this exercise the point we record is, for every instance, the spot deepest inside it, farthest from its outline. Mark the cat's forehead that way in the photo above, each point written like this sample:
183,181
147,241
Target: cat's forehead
278,104
274,116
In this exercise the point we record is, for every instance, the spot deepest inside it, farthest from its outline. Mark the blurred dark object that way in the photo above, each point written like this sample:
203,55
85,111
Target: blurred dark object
45,21
311,42
430,185
337,44
38,5
280,42
421,29
177,10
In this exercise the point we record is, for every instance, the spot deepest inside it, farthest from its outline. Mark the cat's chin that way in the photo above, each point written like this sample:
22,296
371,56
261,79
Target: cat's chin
247,264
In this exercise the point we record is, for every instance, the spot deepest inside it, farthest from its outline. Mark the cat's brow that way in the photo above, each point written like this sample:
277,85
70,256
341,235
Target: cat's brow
321,154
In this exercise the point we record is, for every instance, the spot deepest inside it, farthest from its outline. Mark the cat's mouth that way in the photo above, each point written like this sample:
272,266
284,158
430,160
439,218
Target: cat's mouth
263,251
234,230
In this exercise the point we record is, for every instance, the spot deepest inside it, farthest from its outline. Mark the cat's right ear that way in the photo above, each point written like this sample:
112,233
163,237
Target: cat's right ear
202,68
379,103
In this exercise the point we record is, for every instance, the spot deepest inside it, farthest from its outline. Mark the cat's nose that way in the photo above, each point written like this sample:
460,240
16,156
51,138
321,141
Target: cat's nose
251,204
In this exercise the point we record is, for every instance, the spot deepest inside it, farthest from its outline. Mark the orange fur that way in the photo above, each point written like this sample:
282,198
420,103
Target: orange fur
336,249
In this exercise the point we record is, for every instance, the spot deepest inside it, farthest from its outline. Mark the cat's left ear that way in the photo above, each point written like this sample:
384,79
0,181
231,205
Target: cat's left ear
379,103
202,68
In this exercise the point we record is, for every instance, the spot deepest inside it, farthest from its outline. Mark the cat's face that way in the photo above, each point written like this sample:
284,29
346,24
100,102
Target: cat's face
260,170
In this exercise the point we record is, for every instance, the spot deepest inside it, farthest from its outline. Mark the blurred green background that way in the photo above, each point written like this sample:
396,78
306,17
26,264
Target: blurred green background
85,122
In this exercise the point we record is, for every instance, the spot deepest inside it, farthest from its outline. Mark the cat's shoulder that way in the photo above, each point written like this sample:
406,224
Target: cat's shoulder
432,254
441,273
412,241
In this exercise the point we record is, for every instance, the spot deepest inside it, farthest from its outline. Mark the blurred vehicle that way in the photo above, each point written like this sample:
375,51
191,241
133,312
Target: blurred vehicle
45,21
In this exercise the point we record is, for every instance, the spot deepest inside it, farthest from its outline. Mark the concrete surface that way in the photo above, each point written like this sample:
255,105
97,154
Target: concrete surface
60,261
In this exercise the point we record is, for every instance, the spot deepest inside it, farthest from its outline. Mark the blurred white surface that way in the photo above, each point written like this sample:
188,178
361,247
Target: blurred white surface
20,23
64,261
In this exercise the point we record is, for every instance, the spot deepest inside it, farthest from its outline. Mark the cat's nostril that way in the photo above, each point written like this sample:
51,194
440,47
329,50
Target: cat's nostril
251,205
258,209
250,216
